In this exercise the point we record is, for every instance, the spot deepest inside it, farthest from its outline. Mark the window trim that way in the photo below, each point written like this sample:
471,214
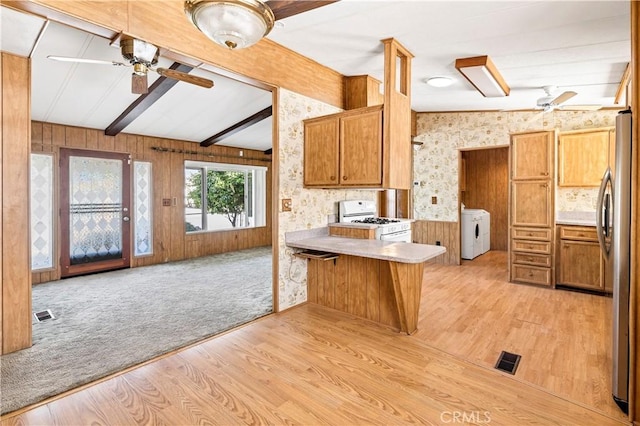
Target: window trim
257,204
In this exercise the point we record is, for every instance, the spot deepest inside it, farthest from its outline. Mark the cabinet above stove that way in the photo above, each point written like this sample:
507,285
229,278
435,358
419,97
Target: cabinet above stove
366,147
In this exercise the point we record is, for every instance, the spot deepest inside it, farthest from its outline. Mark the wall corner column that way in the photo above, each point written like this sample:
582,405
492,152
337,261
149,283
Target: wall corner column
15,269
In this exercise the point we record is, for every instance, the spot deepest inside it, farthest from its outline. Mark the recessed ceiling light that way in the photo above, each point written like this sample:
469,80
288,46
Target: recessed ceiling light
439,81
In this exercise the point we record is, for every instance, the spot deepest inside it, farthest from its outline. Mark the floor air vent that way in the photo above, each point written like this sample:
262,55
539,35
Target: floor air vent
43,315
508,362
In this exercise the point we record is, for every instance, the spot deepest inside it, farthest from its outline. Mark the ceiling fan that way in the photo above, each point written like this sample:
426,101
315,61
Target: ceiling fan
552,101
142,56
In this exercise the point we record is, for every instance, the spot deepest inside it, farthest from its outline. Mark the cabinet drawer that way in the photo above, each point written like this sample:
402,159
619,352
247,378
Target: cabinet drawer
580,233
531,274
543,234
532,259
543,247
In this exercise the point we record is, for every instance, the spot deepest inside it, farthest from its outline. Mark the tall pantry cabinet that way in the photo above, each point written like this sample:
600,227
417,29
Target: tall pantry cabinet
532,208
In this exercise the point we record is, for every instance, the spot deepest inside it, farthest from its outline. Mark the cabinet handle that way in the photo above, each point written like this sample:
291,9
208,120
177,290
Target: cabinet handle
344,178
543,185
530,274
544,173
580,234
332,177
530,259
530,234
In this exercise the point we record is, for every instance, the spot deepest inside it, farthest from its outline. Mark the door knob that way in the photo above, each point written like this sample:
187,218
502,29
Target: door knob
126,219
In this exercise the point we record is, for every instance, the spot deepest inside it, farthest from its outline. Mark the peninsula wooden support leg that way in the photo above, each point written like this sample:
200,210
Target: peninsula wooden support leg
407,286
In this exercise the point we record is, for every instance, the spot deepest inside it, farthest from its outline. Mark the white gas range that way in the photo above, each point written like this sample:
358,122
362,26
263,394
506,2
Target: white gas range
363,212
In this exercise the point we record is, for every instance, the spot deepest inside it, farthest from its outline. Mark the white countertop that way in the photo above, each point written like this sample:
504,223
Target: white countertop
374,249
578,218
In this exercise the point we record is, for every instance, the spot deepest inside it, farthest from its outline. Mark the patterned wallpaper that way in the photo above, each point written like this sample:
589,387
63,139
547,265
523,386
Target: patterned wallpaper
311,207
443,134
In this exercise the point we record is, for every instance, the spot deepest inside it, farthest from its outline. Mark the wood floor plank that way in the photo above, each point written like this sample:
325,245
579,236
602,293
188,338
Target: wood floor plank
315,365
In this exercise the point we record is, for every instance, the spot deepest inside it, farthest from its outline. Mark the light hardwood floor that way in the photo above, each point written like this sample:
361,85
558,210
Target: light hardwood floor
564,337
312,365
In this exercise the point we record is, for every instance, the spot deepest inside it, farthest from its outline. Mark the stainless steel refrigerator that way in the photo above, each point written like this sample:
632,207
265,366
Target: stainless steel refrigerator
613,220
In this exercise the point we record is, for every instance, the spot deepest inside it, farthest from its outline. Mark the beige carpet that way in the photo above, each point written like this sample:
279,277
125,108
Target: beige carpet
107,322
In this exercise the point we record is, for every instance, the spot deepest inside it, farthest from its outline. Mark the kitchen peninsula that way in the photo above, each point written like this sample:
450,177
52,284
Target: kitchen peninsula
373,279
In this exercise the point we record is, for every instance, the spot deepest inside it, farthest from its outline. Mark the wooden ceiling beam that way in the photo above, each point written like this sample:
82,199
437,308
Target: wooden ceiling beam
284,9
158,89
241,125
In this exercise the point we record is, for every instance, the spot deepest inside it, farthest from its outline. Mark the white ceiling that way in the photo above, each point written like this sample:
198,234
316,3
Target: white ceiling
577,45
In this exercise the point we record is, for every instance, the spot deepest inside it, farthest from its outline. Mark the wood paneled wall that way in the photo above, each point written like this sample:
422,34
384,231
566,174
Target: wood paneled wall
357,285
170,242
428,232
487,187
16,269
163,23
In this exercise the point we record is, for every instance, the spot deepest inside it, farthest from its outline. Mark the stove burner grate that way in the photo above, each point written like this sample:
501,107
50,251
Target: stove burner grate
376,220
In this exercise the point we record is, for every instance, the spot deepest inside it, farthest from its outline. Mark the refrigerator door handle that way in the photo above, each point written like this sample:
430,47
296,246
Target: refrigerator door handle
600,226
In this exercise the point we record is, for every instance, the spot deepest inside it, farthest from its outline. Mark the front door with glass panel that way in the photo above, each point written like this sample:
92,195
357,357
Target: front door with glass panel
94,209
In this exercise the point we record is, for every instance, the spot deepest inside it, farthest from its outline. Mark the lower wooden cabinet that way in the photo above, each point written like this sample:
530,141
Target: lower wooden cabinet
531,274
531,255
580,261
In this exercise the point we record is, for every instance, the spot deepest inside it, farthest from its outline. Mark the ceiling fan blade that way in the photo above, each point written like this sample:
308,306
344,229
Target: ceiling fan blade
564,97
85,61
187,78
139,85
283,9
593,107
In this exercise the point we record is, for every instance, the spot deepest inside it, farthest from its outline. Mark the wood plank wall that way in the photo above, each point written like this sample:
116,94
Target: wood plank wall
487,187
357,285
429,231
16,268
170,242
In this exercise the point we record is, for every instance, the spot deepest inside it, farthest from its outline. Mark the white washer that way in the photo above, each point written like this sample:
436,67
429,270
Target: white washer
485,227
471,233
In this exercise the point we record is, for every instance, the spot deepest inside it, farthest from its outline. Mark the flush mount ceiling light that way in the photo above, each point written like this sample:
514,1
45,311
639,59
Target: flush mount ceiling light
439,81
483,75
231,23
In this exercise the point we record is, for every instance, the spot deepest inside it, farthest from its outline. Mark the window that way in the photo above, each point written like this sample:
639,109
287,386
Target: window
143,224
234,196
41,211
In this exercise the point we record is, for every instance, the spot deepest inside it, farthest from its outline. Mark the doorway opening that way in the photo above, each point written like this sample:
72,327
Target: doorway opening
484,185
94,211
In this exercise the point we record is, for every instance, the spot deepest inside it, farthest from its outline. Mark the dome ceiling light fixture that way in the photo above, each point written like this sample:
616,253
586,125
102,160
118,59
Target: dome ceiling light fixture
235,24
439,81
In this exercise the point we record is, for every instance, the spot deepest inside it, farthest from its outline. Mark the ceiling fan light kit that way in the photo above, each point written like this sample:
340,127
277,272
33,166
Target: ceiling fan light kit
142,56
482,73
550,101
235,24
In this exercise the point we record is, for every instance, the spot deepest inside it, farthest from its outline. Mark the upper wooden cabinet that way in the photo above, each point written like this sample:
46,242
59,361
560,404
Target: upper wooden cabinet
321,151
583,156
531,155
531,203
368,147
344,149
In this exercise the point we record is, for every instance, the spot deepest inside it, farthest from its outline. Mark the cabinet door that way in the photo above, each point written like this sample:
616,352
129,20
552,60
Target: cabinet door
361,149
321,151
531,203
580,264
531,155
583,157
